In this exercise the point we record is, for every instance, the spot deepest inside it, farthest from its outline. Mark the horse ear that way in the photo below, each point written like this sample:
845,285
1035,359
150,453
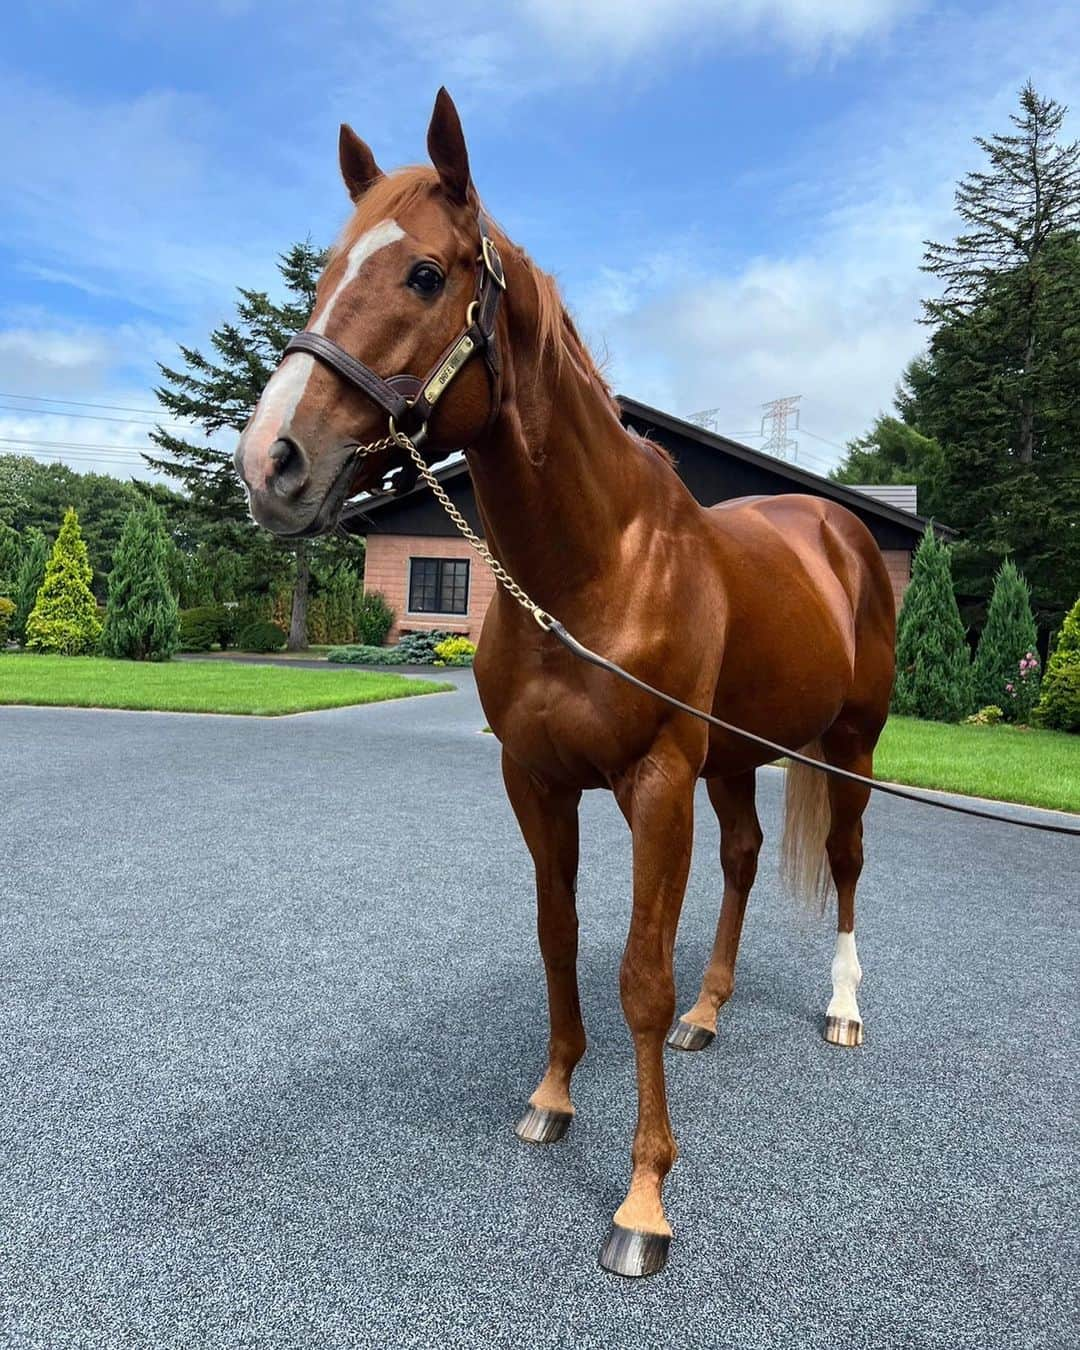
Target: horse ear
358,167
446,146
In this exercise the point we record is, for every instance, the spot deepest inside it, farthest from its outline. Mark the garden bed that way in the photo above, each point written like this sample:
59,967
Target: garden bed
194,686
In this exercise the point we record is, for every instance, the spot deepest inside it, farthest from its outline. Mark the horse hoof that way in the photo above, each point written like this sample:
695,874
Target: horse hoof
633,1254
843,1031
688,1036
538,1126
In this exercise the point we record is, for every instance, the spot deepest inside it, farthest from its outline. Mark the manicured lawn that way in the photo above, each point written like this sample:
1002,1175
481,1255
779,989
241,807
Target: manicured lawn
1039,768
194,686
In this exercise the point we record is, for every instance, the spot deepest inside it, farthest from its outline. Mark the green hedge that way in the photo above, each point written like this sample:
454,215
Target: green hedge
261,637
203,626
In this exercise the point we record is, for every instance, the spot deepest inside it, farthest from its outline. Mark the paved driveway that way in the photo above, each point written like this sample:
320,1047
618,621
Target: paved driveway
272,1003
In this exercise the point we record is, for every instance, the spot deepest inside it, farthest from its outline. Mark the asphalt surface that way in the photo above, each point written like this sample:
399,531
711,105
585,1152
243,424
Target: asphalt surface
272,1002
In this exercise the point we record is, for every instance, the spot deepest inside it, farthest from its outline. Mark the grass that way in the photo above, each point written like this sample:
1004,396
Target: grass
1010,764
194,686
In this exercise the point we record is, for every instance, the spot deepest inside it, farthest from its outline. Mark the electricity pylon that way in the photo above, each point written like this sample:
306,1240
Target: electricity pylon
774,427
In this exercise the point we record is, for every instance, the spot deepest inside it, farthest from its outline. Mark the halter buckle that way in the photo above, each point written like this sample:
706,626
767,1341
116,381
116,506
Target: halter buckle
492,262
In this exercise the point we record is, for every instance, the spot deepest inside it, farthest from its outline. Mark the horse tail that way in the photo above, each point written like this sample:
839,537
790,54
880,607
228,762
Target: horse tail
804,864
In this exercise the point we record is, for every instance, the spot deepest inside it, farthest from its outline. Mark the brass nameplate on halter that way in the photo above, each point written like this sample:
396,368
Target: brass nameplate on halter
449,368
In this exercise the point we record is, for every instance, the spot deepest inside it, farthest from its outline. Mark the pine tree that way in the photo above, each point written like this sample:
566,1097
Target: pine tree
997,388
142,621
28,579
933,665
1059,703
1006,666
64,618
219,392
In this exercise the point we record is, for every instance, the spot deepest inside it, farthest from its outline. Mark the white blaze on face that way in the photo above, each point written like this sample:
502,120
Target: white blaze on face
846,975
286,386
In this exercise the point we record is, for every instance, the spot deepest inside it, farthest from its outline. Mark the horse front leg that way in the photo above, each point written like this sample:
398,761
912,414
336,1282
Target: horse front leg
658,801
548,818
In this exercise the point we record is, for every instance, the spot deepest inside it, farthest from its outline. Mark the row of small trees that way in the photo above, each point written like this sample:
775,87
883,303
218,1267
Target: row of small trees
54,609
52,606
936,677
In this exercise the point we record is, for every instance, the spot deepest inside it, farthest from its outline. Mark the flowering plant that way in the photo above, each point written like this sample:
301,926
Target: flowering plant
1023,689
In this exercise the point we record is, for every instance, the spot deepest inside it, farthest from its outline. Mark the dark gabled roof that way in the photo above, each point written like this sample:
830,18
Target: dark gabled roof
648,418
364,506
813,482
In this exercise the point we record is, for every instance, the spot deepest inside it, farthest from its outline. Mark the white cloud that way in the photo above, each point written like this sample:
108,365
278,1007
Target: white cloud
611,30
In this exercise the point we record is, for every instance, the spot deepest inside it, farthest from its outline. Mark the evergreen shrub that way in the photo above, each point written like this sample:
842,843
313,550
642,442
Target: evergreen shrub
142,622
1059,703
28,579
374,619
933,666
203,626
366,656
1003,672
261,636
64,619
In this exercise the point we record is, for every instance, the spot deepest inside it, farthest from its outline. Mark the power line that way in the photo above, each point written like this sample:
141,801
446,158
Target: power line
74,403
824,440
79,445
95,417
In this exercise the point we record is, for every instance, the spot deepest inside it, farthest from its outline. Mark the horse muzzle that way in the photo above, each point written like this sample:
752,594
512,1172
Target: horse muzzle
287,494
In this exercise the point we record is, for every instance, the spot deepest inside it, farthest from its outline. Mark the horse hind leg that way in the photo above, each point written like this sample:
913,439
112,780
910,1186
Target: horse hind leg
844,846
740,843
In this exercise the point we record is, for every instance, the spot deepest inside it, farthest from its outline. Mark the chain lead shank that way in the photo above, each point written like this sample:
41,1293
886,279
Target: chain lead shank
552,626
439,493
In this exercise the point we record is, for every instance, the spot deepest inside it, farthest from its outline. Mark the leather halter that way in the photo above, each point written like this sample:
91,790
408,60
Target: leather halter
411,401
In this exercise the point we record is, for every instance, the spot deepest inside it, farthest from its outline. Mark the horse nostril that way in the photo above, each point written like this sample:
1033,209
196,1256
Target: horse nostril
288,467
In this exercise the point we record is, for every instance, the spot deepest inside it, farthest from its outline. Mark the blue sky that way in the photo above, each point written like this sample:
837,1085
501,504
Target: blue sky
733,193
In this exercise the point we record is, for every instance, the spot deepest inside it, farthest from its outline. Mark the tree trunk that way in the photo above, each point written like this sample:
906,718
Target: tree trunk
298,621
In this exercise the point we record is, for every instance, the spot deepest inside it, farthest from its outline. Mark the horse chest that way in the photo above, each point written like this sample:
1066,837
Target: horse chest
563,729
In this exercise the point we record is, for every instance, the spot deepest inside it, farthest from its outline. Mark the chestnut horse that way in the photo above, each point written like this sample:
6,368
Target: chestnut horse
774,612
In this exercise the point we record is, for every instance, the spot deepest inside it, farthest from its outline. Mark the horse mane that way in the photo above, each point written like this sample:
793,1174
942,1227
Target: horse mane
395,193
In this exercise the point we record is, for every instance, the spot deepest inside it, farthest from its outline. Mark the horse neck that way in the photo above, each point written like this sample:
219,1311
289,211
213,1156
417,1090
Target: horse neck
557,478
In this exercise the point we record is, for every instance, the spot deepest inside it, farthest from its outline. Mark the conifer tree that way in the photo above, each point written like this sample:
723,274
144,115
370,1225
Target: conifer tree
142,621
28,579
1006,665
1059,702
220,391
64,618
997,387
893,452
933,665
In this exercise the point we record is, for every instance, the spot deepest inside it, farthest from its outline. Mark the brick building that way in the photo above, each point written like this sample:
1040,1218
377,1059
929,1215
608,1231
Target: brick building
432,578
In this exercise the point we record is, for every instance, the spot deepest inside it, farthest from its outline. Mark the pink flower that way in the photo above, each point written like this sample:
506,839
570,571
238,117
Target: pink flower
1008,689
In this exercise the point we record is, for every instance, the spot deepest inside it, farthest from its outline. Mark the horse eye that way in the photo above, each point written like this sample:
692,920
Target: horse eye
426,279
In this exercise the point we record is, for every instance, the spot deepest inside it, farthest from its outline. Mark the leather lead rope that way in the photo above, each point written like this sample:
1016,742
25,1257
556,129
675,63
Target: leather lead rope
552,626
